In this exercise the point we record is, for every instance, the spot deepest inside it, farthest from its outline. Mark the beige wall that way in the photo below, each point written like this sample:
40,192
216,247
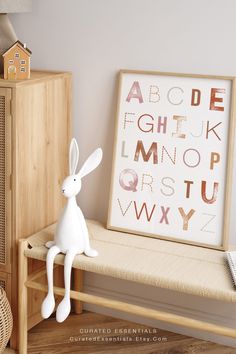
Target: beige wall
94,39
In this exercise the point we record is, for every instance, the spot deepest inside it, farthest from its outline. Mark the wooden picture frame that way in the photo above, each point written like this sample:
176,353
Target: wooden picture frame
173,157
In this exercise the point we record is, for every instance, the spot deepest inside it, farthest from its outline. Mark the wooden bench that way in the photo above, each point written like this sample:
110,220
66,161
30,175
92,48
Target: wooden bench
169,265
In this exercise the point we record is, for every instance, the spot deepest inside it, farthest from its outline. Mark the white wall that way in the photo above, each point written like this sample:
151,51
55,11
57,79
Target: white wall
94,39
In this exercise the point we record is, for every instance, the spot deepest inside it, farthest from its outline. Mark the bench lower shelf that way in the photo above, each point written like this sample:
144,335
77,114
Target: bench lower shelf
138,310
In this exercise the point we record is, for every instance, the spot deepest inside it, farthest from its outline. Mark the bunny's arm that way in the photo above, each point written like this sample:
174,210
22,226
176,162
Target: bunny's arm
49,244
87,248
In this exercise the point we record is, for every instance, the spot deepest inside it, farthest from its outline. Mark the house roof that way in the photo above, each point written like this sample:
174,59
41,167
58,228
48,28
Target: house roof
27,51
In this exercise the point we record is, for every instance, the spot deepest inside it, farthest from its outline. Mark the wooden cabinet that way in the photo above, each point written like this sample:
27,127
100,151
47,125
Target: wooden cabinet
35,118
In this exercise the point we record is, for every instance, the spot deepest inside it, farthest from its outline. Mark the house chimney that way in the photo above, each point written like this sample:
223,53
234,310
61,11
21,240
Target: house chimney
25,45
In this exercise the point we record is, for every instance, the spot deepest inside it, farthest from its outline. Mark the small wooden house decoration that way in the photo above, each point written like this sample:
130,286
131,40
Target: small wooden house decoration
16,62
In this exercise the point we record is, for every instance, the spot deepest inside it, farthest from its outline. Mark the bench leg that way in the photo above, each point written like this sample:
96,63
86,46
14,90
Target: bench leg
22,297
78,286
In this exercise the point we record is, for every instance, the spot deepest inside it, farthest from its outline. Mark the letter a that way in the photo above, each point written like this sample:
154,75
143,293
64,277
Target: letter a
135,92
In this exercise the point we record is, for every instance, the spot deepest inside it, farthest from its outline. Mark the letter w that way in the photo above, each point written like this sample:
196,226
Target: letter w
144,206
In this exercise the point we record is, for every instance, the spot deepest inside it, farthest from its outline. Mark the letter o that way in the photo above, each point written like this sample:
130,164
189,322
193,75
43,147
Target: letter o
184,158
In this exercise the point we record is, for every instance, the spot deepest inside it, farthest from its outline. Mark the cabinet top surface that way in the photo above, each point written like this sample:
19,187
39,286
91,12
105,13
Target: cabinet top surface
35,76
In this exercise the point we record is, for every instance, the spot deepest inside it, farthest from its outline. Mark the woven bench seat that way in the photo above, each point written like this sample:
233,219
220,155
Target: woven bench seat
159,263
169,265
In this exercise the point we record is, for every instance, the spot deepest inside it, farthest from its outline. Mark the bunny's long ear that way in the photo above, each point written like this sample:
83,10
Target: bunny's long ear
74,156
91,163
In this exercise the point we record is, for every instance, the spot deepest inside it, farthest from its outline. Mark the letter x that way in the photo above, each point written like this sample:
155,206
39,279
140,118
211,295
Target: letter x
164,215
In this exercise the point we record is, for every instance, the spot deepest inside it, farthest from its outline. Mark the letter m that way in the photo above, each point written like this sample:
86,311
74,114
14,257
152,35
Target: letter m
146,155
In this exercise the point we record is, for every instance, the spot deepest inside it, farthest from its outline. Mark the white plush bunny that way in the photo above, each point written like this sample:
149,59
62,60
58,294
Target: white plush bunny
71,237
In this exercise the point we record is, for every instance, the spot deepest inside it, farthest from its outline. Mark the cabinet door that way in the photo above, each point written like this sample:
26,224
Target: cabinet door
5,179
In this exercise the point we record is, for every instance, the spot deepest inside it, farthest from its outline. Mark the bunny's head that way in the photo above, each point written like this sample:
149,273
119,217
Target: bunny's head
72,184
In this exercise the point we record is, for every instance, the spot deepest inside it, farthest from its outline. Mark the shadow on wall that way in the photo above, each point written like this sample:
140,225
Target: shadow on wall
105,171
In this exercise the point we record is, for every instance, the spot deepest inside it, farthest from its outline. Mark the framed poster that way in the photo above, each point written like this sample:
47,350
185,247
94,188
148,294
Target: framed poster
173,156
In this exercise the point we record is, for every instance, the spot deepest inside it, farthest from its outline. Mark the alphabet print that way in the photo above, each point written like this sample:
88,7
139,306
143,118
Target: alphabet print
171,166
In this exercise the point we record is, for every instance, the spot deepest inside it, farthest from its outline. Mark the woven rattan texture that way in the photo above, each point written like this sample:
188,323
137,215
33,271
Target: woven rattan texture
2,182
160,263
6,321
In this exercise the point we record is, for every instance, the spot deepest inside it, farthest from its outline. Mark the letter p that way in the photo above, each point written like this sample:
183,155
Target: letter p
215,158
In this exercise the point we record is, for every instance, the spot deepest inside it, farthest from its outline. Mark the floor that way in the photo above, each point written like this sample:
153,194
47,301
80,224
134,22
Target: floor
95,333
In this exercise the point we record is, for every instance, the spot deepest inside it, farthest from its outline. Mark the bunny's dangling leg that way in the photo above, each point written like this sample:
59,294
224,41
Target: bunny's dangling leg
64,307
49,301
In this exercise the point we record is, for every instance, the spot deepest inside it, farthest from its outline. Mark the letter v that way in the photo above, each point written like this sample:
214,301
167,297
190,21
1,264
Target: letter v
123,212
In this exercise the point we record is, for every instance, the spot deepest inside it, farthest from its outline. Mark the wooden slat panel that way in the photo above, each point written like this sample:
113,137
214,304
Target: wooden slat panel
5,171
2,182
